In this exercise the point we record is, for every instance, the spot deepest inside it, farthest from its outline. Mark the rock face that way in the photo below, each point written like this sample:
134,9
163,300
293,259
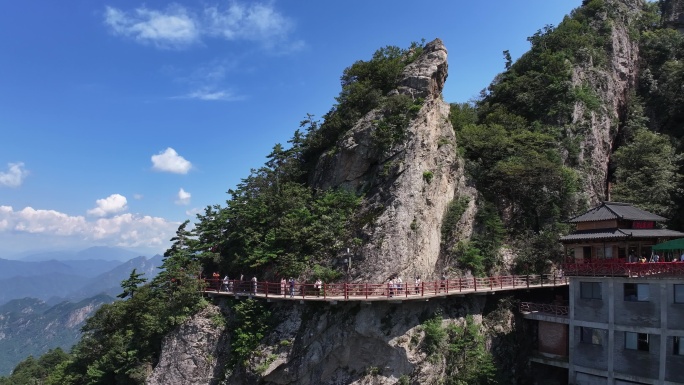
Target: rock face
319,344
673,14
191,354
612,85
411,185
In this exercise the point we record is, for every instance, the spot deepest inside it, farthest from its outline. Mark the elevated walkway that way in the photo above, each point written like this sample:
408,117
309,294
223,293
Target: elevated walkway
370,292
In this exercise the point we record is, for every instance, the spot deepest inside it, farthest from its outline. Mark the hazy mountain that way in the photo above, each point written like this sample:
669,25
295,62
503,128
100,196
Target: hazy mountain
9,268
110,281
56,281
91,267
98,253
31,327
42,287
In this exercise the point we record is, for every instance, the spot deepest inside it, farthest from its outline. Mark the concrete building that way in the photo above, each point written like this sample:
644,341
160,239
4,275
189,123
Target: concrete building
622,322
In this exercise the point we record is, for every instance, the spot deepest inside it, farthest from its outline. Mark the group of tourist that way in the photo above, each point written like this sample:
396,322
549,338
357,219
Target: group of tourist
395,285
654,259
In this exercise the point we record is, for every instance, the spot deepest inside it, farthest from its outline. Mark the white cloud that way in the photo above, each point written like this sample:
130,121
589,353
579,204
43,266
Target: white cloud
138,197
170,161
125,230
183,197
255,22
110,205
179,27
191,213
208,94
15,175
172,28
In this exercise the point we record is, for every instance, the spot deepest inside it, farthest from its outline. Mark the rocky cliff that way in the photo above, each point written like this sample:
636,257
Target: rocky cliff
409,186
612,83
351,343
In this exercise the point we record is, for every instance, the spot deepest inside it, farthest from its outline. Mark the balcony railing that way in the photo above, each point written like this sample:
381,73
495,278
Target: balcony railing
546,308
618,268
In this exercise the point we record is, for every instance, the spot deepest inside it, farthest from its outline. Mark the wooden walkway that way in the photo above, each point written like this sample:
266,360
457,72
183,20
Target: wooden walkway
368,292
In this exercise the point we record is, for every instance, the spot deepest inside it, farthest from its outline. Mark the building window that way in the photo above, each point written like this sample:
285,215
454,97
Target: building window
678,346
590,336
590,290
636,341
679,293
636,292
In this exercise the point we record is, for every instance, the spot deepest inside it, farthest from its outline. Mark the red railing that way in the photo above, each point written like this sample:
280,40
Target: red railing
346,291
624,269
530,307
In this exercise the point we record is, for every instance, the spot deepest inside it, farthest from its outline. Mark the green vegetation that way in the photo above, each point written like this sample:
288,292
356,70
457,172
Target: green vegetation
36,371
365,85
427,176
463,350
249,326
455,211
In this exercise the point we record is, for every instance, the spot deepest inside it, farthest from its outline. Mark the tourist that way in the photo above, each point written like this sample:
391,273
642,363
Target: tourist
283,283
292,287
417,283
225,283
317,287
216,278
399,284
443,283
254,285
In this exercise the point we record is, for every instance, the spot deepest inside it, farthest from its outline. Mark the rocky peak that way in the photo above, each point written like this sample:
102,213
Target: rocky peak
407,187
425,77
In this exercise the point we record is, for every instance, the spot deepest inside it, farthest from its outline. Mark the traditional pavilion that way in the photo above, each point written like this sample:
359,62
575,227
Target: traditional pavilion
615,231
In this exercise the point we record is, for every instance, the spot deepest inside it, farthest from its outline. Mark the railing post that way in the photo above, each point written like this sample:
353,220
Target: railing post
528,280
422,288
475,283
266,289
491,287
460,285
447,286
366,290
346,292
325,290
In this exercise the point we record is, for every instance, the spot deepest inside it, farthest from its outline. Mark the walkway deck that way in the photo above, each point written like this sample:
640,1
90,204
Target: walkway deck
367,292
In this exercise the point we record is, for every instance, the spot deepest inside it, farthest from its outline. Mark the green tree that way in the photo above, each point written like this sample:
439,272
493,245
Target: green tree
646,173
131,284
36,370
468,361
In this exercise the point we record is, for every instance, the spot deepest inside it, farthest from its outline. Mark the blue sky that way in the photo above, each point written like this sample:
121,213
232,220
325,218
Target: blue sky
120,120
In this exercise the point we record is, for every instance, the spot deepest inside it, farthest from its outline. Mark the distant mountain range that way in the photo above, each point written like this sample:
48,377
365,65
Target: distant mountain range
56,281
43,304
92,253
32,327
